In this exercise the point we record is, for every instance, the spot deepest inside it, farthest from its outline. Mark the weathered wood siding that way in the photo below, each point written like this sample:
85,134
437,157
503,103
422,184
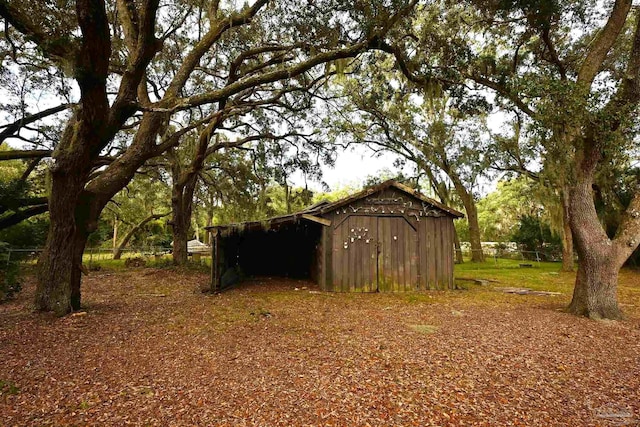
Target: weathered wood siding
387,242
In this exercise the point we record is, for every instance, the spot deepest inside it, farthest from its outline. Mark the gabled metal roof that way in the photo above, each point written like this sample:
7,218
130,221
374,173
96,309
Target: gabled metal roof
387,184
324,207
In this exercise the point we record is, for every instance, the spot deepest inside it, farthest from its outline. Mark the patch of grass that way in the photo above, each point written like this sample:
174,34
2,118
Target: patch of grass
424,329
543,276
8,388
161,262
104,263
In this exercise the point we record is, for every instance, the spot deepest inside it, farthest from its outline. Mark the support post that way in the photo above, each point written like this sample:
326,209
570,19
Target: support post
215,260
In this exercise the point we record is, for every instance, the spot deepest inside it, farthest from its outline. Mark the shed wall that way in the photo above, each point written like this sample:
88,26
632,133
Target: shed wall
387,242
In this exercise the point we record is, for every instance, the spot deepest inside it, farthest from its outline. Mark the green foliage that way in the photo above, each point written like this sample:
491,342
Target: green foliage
535,235
102,234
10,170
147,193
8,388
500,210
9,275
31,233
17,194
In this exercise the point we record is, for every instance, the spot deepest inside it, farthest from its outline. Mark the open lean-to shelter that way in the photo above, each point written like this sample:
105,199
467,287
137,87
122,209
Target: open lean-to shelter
387,238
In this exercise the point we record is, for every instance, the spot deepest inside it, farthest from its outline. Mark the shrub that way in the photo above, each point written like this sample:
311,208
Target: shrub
9,274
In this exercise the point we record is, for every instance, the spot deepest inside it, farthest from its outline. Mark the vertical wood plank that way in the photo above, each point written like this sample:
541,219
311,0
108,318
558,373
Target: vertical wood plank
422,255
445,252
353,252
379,256
400,226
345,256
336,258
439,258
449,249
382,287
388,266
373,250
357,256
416,261
431,255
402,237
408,255
325,283
215,260
328,259
393,254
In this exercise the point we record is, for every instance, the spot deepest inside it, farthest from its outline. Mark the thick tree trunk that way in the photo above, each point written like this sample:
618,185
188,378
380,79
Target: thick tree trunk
474,230
472,216
458,249
567,235
595,291
180,239
180,229
181,206
60,264
180,225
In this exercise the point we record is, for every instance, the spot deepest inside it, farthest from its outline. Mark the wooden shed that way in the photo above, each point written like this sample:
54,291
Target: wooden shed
387,238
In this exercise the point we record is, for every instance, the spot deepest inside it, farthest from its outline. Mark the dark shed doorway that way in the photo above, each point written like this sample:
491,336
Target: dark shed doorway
286,251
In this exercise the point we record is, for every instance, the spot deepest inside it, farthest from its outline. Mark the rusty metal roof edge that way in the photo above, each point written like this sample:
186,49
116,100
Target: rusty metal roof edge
276,219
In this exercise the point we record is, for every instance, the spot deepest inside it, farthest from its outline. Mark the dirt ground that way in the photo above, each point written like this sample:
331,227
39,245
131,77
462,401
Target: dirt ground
151,350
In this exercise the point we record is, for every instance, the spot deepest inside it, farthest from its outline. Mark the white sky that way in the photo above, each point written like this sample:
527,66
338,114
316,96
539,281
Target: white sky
355,164
351,168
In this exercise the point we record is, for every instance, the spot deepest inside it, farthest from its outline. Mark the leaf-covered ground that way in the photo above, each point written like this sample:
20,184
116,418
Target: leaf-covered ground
152,350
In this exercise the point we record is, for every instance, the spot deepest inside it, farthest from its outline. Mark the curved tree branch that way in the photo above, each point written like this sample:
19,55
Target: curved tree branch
12,128
21,215
600,46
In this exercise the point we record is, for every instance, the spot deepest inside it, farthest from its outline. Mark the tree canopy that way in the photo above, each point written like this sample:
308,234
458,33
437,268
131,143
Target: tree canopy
224,99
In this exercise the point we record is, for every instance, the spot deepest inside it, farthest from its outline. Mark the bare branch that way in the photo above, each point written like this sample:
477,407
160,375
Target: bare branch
24,154
555,59
12,128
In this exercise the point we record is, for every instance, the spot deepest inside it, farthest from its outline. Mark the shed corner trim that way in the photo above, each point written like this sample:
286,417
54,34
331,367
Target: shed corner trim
323,221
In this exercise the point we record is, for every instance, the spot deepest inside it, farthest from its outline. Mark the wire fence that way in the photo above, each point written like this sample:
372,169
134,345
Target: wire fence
97,255
542,255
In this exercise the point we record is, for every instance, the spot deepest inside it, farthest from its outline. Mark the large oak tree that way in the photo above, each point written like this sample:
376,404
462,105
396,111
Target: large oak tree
156,74
573,69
